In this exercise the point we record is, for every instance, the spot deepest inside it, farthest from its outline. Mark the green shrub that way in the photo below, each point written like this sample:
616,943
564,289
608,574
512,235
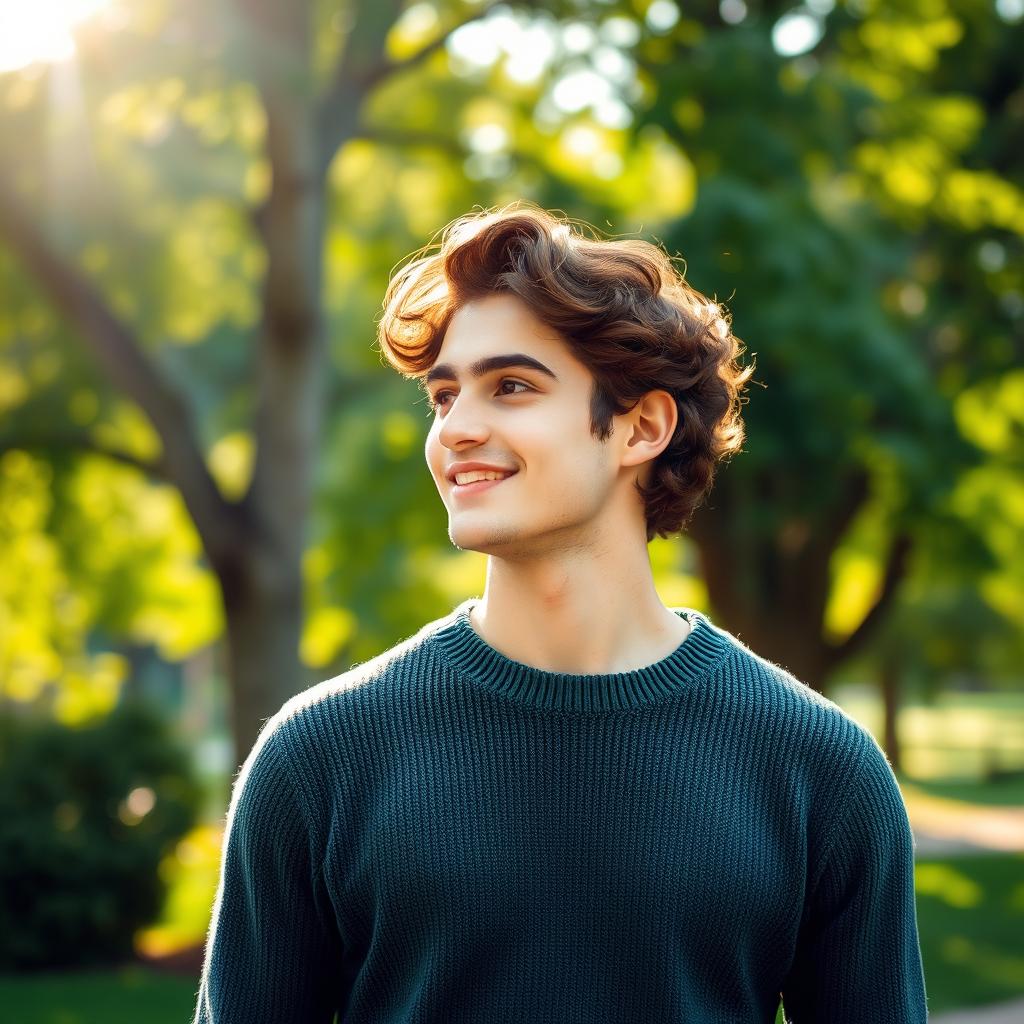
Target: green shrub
86,814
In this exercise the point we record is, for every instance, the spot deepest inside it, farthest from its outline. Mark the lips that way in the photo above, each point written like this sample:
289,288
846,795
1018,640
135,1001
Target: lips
504,475
469,467
477,486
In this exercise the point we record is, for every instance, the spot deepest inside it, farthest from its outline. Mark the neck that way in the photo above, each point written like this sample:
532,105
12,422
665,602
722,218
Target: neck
468,658
577,616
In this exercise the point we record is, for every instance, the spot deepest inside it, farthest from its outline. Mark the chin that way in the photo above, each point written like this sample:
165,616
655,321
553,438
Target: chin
483,537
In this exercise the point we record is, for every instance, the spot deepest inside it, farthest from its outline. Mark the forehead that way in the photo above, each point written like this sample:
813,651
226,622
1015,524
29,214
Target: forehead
497,324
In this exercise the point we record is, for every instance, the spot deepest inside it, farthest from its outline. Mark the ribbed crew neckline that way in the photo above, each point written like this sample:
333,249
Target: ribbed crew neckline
473,658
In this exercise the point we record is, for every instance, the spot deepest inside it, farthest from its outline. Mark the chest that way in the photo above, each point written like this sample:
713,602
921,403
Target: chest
569,828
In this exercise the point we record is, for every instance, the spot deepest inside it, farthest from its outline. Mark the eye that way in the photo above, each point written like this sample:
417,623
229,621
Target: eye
438,400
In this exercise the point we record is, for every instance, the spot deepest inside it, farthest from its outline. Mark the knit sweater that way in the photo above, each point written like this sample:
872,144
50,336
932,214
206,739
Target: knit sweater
446,835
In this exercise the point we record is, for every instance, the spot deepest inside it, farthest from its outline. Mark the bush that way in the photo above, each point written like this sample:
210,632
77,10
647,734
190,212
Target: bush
86,815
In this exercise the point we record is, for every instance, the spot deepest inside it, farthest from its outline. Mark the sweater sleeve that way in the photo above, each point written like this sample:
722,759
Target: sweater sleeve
272,954
858,956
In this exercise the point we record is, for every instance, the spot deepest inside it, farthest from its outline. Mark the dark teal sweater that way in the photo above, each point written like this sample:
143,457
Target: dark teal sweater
444,835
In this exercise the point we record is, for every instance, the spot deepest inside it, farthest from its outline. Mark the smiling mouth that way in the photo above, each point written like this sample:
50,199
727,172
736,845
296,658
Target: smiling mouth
478,486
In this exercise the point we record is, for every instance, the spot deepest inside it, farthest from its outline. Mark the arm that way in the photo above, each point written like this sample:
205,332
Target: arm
858,957
272,954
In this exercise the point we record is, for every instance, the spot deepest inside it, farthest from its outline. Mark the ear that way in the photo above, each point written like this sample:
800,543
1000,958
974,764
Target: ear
648,428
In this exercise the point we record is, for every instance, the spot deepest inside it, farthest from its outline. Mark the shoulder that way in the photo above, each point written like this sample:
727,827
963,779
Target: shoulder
810,729
321,734
831,763
368,687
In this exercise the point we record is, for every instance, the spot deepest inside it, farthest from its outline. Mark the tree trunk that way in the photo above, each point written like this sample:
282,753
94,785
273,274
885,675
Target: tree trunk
264,626
770,587
254,544
889,683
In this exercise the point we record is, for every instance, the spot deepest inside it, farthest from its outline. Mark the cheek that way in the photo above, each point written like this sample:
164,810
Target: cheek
567,460
433,455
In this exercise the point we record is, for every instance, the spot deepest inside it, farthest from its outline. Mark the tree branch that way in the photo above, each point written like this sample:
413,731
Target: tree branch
809,565
400,137
403,138
895,570
364,65
116,349
370,76
855,490
80,441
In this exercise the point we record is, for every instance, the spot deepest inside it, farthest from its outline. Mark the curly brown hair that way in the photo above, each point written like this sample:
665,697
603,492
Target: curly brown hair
624,310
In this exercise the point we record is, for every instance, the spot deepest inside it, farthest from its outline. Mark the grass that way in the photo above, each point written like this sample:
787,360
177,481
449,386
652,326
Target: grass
970,912
1003,793
124,996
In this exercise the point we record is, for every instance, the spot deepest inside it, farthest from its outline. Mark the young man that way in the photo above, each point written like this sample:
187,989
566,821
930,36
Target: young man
564,802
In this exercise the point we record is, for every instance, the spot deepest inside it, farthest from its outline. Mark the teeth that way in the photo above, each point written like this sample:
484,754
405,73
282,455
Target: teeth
479,474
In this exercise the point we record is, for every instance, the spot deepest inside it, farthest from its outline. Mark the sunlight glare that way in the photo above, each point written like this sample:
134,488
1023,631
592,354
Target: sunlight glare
41,31
797,32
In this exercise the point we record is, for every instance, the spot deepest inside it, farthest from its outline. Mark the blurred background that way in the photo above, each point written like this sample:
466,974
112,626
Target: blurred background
213,494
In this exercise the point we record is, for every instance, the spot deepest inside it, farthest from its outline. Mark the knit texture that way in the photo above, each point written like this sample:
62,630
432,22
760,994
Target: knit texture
446,835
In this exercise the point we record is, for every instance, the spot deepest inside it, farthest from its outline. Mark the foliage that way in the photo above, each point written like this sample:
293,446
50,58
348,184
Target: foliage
86,814
88,545
855,200
191,872
971,921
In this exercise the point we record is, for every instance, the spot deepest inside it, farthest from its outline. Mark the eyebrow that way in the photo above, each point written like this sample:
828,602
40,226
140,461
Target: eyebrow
445,371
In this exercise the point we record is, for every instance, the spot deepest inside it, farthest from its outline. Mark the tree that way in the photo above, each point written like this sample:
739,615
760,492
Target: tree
839,189
254,543
830,193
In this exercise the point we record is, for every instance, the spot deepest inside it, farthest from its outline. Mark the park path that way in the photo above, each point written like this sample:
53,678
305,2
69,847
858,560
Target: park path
942,826
1001,1013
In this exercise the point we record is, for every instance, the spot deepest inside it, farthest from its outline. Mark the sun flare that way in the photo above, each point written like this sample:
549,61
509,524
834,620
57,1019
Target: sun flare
41,30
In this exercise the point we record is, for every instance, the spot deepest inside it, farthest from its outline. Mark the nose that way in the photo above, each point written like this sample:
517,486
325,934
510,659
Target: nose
463,424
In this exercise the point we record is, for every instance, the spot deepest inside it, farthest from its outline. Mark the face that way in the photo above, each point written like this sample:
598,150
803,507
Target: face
533,419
